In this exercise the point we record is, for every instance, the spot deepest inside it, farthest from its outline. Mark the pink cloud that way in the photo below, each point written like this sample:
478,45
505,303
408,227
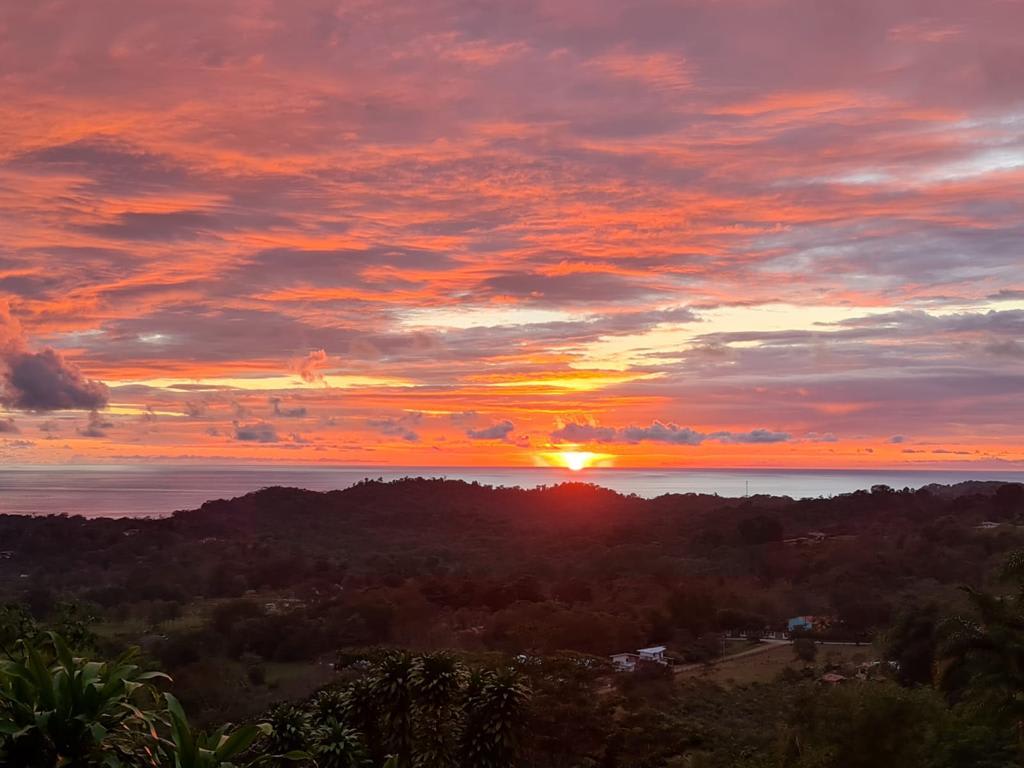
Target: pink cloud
450,195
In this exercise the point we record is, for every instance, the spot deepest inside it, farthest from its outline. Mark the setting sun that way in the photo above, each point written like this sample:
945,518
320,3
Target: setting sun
577,460
573,459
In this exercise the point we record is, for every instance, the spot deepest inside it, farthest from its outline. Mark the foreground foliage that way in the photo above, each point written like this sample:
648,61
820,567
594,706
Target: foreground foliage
427,711
59,709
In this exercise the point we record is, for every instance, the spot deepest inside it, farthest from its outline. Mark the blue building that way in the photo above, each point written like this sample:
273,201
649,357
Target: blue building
800,623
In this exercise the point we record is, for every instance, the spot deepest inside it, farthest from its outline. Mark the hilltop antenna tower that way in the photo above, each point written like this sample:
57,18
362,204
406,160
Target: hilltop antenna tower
746,491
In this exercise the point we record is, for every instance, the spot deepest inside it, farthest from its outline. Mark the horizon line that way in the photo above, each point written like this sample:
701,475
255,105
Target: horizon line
481,468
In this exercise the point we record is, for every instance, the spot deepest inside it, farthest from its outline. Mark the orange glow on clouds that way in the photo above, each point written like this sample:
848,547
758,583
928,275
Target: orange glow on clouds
435,235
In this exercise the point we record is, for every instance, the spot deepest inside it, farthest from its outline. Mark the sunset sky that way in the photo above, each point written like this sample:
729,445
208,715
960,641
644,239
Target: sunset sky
453,232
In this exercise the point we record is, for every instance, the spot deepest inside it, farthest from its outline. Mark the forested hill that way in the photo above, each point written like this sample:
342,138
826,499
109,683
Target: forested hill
289,576
440,505
280,537
465,522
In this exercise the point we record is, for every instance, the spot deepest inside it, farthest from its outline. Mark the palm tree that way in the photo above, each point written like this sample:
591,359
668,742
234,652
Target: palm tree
289,729
391,689
328,704
360,710
436,682
495,709
335,745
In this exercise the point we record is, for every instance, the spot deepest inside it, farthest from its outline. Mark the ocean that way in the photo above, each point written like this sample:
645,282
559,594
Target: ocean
158,490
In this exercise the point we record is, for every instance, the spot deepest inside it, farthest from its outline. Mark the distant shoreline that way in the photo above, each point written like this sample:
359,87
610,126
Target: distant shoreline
443,469
158,490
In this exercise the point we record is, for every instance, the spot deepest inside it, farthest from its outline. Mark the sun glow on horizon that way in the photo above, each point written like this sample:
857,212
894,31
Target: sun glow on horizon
575,460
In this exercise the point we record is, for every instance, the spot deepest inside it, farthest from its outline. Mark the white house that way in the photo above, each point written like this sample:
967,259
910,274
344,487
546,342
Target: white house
627,662
624,662
655,654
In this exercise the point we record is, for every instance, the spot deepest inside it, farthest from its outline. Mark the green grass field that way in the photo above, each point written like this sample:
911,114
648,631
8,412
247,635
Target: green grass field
767,664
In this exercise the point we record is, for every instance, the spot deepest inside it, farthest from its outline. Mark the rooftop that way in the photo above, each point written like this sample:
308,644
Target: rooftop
653,649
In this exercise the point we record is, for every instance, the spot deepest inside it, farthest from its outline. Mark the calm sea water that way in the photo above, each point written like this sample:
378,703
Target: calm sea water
155,490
